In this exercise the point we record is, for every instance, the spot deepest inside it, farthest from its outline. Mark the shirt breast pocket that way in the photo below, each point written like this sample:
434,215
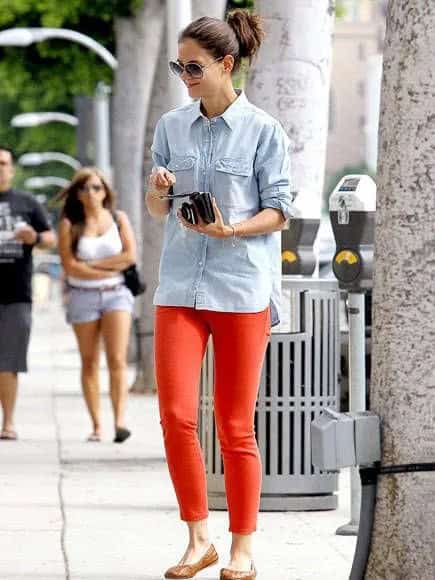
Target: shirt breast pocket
183,167
233,181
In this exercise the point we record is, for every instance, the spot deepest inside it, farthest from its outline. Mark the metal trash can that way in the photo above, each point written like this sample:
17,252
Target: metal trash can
299,379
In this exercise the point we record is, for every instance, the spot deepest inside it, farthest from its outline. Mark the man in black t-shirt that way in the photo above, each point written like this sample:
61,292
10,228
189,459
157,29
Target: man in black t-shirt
23,225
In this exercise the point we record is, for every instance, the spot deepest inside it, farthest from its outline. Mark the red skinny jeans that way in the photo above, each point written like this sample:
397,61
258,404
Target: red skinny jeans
239,342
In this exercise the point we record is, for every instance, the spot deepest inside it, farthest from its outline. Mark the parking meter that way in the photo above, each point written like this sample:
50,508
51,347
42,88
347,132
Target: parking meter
297,242
352,207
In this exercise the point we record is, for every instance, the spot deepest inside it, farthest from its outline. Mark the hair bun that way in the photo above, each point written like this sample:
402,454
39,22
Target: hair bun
249,31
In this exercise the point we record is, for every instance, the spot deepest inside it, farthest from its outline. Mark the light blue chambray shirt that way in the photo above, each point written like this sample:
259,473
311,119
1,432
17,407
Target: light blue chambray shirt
242,158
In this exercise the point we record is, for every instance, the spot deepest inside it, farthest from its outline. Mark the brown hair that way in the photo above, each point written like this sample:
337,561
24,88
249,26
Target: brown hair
73,208
240,36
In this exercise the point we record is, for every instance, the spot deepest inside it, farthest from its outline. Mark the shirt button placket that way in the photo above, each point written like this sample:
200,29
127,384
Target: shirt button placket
206,157
199,296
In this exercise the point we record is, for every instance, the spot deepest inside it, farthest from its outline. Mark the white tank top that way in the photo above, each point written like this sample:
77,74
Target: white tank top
97,248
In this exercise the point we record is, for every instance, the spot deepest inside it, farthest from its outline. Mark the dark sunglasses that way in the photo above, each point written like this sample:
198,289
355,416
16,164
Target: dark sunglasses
93,187
193,69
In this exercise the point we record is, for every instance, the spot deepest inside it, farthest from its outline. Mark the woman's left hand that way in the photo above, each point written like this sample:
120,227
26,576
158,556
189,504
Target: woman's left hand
217,229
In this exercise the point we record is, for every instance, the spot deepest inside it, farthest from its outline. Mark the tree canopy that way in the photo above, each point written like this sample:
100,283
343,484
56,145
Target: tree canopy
47,75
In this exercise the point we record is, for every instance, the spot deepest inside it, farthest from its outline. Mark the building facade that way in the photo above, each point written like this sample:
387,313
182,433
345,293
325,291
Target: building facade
357,41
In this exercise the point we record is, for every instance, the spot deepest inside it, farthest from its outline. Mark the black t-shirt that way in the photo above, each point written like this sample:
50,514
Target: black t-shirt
16,257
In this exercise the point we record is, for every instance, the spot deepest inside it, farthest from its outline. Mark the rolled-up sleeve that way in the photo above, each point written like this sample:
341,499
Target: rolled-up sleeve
160,147
272,169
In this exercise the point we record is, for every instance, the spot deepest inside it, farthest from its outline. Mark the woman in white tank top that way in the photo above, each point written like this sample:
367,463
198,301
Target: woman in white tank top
96,245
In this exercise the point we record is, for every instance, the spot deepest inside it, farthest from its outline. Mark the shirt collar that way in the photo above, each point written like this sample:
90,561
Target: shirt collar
229,115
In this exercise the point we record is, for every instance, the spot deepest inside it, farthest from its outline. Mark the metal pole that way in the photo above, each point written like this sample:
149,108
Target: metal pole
179,15
32,159
26,36
357,396
40,118
102,130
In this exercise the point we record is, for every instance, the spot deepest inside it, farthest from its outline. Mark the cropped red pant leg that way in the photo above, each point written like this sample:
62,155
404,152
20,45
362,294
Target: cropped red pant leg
239,341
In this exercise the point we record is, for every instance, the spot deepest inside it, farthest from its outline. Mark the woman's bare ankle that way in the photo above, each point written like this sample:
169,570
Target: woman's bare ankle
198,532
241,552
195,550
199,543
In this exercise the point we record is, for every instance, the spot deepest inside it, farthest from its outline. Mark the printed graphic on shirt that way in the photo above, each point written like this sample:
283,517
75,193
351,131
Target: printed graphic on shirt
10,248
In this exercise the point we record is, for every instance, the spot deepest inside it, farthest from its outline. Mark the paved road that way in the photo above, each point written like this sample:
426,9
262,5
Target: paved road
80,511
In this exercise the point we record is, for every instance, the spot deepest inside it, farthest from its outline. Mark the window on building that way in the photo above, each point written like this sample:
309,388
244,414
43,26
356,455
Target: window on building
355,10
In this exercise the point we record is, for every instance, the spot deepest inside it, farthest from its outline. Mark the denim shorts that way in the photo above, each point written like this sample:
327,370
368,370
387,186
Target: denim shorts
87,305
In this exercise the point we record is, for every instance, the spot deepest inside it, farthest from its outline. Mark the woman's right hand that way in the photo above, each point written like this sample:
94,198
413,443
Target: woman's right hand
160,181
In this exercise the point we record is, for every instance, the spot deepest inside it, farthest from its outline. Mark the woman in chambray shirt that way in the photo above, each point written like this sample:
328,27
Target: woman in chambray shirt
220,279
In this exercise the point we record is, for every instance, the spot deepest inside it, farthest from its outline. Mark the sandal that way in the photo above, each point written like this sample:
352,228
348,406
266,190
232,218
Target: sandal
94,438
121,434
8,435
228,574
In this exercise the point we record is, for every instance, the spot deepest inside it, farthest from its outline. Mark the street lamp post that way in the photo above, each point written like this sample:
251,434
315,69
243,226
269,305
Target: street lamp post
47,181
27,36
102,130
40,118
33,159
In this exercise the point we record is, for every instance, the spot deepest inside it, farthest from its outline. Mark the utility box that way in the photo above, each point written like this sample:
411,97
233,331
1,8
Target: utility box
352,208
332,441
367,438
345,440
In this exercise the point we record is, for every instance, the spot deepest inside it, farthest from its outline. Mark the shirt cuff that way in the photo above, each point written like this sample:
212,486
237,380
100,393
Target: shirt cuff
280,200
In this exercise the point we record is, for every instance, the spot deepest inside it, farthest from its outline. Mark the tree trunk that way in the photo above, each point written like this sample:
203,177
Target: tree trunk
403,381
178,16
213,8
152,228
137,45
290,80
138,42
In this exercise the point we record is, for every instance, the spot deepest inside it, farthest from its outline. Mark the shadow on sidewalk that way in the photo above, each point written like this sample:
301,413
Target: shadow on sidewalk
112,464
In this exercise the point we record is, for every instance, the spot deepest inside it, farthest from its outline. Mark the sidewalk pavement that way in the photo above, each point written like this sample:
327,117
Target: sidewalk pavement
98,511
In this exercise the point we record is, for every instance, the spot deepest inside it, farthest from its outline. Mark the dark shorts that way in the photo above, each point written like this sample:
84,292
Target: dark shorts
15,325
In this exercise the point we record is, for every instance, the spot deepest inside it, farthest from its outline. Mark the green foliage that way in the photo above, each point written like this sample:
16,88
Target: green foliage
46,76
232,4
340,9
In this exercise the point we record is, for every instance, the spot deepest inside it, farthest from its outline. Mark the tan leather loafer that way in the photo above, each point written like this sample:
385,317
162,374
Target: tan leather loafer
227,574
190,570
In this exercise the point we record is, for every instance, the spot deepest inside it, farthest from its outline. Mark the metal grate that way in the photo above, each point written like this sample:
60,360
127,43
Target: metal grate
299,379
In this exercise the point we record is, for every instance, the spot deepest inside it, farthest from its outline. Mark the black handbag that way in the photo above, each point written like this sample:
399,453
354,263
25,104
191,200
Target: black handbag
133,280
